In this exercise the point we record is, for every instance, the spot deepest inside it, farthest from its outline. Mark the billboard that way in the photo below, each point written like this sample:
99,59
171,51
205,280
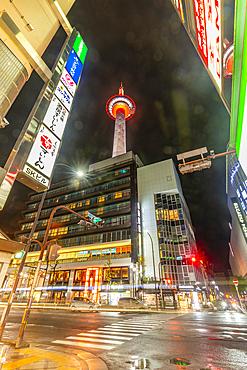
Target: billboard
208,33
238,132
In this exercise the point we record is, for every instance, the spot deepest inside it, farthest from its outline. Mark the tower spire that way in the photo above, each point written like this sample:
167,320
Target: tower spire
120,108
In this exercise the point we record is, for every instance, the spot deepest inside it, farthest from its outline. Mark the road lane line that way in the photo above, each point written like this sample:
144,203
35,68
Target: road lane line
133,326
79,344
96,340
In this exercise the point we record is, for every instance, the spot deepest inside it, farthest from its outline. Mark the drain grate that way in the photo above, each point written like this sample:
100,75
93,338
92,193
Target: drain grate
179,361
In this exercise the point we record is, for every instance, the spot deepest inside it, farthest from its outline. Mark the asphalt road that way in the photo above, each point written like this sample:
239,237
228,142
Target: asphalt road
206,340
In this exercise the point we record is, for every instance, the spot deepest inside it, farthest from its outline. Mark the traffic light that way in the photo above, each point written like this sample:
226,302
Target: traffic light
51,253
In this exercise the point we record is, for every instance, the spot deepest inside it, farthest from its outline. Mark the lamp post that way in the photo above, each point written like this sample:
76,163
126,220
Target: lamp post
155,287
11,297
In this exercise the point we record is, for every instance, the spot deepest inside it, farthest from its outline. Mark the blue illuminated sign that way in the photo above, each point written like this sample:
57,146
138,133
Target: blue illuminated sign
74,66
233,171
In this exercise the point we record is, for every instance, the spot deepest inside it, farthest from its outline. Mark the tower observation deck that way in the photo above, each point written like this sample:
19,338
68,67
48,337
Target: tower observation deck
120,108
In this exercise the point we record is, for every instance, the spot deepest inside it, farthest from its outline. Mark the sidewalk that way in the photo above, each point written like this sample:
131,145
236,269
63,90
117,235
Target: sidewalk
48,358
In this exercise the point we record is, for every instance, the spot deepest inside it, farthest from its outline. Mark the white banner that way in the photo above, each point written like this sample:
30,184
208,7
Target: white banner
56,117
44,152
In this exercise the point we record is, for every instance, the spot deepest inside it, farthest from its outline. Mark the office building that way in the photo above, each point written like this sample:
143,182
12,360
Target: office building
237,204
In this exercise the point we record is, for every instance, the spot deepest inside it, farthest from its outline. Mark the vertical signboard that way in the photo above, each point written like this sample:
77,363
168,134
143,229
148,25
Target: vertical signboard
42,156
33,157
209,40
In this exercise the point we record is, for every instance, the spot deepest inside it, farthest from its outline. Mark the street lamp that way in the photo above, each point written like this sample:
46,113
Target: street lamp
26,250
155,287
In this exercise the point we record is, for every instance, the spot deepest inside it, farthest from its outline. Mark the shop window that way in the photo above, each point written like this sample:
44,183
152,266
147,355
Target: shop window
87,202
117,273
101,199
73,205
100,211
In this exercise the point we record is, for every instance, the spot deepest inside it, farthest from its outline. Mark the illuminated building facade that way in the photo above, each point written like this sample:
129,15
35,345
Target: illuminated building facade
129,198
165,216
237,204
108,192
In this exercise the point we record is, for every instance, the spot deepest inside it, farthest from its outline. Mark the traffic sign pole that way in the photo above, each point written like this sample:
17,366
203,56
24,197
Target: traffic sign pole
235,282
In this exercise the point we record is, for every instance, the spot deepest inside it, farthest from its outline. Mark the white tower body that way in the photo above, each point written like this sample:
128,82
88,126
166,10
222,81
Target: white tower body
119,143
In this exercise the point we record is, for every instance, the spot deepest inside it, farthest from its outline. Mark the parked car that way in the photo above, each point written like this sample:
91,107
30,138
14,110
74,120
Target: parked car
82,304
127,302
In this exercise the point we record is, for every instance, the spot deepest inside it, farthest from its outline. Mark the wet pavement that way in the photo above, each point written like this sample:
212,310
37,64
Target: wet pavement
113,341
53,358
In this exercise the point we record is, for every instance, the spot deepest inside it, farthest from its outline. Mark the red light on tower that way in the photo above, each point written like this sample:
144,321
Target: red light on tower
168,281
120,108
193,259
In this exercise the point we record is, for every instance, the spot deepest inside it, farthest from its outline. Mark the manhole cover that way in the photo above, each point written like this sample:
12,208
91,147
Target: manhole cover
179,361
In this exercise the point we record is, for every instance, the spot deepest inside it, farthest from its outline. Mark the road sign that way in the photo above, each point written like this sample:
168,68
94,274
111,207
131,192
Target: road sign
235,281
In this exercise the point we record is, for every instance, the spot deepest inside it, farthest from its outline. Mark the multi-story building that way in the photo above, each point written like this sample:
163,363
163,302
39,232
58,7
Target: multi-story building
167,226
130,199
237,204
109,191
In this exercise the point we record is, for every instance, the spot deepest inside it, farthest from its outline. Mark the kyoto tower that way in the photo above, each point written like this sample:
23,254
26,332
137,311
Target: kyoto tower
120,108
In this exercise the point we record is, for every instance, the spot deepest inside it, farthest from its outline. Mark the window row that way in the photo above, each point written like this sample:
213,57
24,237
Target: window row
82,182
88,239
83,192
71,216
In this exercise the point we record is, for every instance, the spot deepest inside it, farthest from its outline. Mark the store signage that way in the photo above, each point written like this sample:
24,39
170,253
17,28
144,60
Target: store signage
209,40
233,171
56,117
240,216
68,82
80,48
74,66
64,96
43,153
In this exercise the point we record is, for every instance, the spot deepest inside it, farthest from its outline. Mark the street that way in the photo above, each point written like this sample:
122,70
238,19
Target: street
209,340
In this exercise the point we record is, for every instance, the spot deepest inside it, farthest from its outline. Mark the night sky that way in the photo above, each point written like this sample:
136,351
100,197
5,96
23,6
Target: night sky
144,45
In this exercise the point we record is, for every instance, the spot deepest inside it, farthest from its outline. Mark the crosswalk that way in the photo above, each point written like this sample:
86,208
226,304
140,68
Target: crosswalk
109,336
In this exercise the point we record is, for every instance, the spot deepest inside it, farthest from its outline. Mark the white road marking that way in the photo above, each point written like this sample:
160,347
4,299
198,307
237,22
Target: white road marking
103,331
96,340
106,335
79,344
126,328
121,329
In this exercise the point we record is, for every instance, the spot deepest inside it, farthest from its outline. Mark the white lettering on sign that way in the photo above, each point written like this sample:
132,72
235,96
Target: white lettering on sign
200,21
213,29
56,117
44,151
64,96
68,82
209,40
241,219
35,175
